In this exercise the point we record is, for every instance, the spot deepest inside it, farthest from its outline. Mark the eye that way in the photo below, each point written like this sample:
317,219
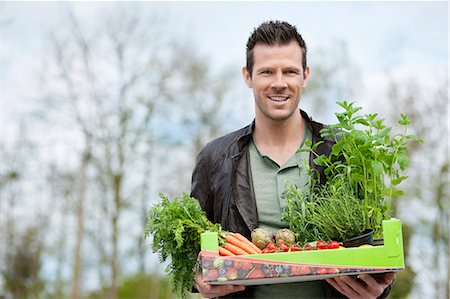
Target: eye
291,72
265,72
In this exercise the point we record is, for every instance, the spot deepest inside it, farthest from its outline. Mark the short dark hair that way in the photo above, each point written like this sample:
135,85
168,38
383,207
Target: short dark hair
274,33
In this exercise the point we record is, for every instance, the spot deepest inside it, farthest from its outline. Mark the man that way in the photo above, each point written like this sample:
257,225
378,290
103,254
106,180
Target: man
239,178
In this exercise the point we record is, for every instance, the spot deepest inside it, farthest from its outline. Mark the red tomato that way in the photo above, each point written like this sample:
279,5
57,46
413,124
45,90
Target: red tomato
307,247
271,246
322,245
283,247
333,245
296,248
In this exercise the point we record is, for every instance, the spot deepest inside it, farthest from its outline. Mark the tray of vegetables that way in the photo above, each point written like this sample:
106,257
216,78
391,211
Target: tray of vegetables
362,175
269,260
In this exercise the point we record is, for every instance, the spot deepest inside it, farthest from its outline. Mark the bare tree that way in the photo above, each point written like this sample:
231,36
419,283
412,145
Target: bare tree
333,78
22,241
105,83
429,181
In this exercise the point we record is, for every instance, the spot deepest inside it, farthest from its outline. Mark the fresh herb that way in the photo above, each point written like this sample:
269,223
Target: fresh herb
365,163
329,213
176,227
369,159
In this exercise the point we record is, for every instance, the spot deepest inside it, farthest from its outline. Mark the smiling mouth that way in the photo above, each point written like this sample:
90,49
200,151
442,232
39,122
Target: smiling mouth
278,98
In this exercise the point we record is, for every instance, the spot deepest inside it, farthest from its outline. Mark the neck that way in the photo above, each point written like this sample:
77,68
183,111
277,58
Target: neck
279,133
279,140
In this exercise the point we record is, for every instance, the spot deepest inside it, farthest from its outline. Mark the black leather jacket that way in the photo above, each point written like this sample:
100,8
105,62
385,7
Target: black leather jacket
222,183
222,180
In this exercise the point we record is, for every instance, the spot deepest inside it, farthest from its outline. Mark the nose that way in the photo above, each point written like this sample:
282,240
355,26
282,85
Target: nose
279,81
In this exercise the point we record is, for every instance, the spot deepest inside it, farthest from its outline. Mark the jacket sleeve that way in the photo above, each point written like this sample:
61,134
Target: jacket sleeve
200,185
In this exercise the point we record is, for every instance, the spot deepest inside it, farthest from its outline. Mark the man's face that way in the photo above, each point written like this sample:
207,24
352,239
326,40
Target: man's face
277,80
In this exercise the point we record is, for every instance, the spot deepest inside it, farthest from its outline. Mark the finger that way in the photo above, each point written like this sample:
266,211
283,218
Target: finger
374,287
369,280
387,278
335,285
348,285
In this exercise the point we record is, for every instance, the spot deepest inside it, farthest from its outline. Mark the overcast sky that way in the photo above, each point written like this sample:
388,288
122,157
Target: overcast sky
406,38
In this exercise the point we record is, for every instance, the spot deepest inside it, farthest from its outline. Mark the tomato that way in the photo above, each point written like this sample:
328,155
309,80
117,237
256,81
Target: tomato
295,248
321,245
271,246
333,245
307,247
266,250
283,247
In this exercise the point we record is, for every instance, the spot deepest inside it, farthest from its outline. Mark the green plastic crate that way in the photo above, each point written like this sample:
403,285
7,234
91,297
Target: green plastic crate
255,269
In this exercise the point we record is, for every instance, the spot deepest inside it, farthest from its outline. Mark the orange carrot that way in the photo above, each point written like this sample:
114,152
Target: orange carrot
232,240
234,249
225,252
244,239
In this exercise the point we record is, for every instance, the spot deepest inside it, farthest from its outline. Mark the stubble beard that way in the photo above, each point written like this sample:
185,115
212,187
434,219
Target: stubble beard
278,114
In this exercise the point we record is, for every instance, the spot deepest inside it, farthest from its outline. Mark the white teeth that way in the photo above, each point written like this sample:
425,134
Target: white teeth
278,99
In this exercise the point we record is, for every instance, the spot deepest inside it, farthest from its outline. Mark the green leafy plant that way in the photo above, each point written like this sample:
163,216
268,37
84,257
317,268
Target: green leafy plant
176,227
365,163
328,213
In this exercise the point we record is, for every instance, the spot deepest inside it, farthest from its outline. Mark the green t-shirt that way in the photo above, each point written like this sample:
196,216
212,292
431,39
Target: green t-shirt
270,180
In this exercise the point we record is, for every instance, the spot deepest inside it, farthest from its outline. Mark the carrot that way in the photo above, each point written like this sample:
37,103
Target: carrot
244,239
225,252
232,240
234,249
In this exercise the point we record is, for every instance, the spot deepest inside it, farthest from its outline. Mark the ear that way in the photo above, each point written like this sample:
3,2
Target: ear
247,77
306,76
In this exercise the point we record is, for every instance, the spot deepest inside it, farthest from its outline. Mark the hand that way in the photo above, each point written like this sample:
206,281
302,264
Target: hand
210,291
368,287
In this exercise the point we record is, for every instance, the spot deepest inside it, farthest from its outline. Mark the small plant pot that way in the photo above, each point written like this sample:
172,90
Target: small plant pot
378,241
365,238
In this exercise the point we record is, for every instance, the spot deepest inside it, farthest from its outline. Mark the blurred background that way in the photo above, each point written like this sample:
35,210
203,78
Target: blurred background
106,104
